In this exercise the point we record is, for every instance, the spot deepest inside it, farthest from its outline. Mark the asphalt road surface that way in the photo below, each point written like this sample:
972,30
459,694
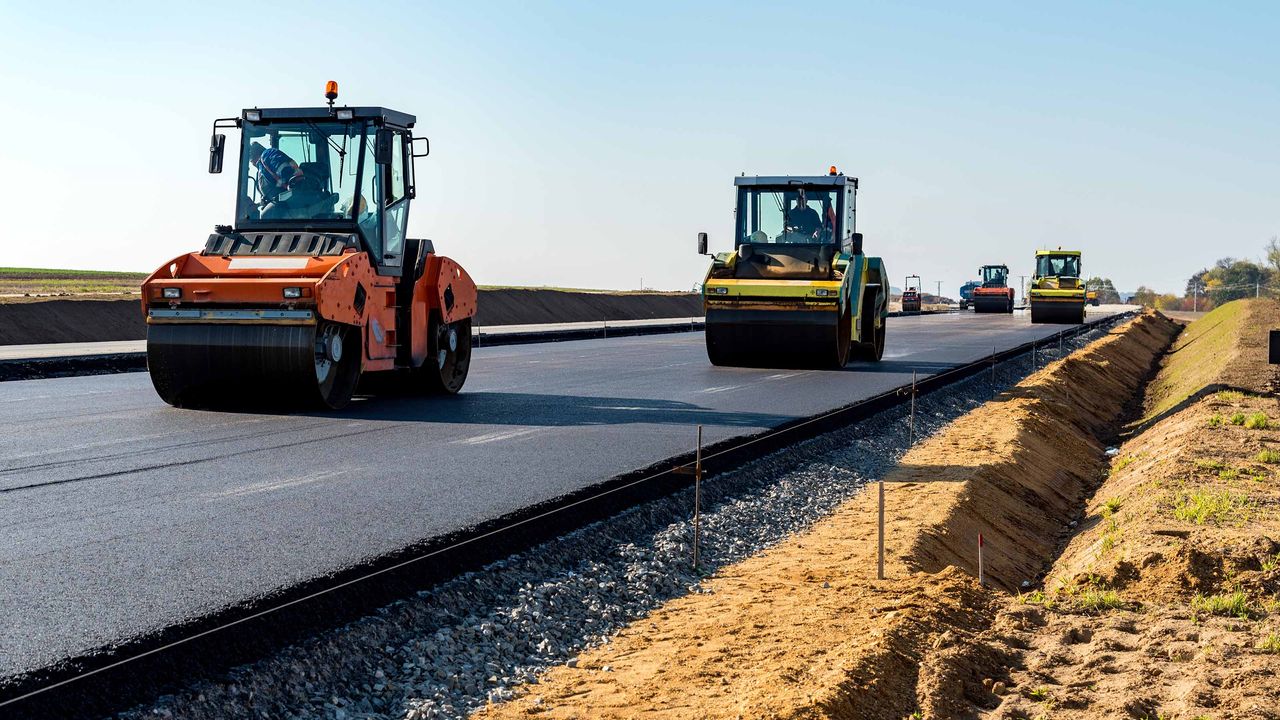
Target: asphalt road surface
120,515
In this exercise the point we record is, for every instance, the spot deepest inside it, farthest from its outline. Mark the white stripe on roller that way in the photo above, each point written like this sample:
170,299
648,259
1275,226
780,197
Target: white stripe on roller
268,263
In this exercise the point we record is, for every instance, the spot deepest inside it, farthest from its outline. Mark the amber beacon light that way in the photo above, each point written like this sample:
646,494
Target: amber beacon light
331,91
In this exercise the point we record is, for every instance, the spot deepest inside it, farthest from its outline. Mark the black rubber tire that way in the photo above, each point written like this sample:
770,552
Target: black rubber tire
445,374
874,350
843,340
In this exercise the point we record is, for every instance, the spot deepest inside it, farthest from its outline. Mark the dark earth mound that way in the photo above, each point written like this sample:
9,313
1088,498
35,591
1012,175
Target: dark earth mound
58,321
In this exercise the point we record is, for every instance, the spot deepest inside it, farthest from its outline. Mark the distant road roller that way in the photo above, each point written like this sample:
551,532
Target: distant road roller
911,294
797,290
315,286
1057,293
966,293
994,294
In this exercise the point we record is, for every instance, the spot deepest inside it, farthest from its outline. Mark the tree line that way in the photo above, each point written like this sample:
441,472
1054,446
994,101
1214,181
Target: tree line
1228,279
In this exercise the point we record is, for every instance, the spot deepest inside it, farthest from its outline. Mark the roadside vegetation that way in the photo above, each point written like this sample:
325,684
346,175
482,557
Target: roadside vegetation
1228,279
46,281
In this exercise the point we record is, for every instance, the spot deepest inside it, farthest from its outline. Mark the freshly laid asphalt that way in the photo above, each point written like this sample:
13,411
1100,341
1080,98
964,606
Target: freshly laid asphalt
120,515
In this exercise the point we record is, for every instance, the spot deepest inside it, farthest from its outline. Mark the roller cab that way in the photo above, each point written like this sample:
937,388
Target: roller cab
911,294
796,290
315,288
993,295
1057,294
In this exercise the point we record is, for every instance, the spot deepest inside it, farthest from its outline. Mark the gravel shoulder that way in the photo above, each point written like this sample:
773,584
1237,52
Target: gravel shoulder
806,630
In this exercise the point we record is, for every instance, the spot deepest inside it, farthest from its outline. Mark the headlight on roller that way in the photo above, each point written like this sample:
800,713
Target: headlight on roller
292,293
171,293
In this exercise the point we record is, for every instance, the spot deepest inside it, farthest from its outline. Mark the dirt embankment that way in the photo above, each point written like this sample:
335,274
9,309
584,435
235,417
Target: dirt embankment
805,630
95,320
1167,602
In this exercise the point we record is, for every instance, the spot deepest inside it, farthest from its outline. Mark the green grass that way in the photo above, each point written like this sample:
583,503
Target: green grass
1271,563
1237,419
1232,604
1229,474
1211,464
1111,506
1231,396
1097,599
40,281
1270,457
1122,463
1203,506
1270,643
1216,420
1196,359
1037,597
1256,421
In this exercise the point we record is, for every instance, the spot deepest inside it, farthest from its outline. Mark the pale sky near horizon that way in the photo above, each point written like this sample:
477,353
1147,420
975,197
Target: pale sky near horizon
585,144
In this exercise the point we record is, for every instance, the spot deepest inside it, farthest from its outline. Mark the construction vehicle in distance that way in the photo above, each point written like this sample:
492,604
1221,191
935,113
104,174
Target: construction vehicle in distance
911,294
796,290
1057,293
966,293
994,294
315,286
1091,297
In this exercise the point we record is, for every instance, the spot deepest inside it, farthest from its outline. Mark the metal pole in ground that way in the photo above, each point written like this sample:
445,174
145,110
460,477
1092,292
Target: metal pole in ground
981,578
697,502
880,553
993,365
912,424
1033,357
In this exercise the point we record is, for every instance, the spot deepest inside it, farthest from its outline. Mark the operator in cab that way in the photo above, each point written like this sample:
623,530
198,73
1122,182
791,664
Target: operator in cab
277,171
803,220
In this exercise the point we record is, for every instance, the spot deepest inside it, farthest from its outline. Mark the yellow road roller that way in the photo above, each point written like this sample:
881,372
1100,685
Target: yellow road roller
796,290
1057,292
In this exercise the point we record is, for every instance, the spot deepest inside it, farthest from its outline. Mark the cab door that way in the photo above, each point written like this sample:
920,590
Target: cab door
395,216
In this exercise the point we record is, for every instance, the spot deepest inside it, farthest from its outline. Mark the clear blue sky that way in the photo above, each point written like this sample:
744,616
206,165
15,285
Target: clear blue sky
585,144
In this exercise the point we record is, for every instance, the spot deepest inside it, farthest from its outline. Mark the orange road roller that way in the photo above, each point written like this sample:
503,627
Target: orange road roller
994,294
315,288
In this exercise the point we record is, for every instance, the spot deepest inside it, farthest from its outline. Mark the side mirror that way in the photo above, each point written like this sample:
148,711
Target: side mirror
382,148
216,148
426,147
702,243
857,243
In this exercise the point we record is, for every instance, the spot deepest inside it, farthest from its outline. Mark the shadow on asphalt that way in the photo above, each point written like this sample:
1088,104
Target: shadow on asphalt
534,409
